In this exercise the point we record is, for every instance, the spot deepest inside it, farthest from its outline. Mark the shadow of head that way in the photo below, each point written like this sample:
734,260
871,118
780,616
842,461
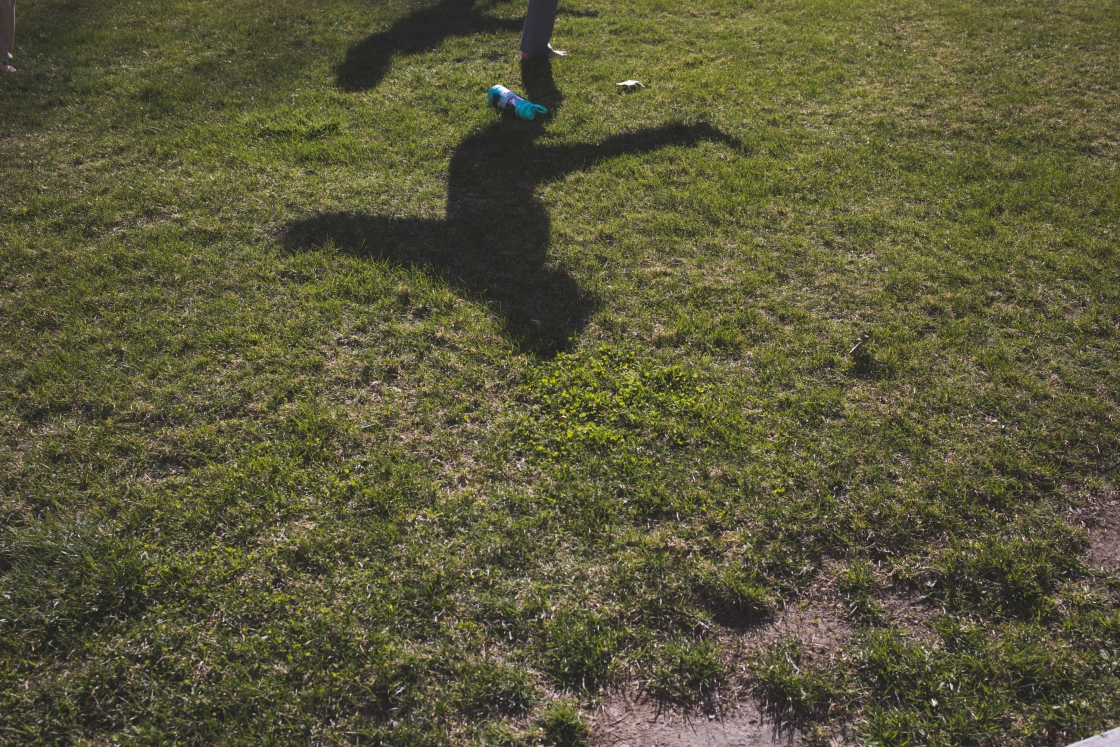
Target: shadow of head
368,61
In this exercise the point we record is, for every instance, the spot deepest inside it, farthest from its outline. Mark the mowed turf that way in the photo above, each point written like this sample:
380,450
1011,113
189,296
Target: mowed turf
337,409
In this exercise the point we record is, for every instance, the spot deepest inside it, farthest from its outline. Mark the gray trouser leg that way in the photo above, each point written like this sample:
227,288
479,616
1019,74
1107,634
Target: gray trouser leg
539,20
8,28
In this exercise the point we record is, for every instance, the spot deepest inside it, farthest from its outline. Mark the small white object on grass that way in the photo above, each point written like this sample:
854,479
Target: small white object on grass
631,85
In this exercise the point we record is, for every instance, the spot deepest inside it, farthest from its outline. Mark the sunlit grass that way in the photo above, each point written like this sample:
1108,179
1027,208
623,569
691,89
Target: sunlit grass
336,409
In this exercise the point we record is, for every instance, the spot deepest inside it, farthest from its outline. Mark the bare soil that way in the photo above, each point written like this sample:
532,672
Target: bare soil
622,723
1104,538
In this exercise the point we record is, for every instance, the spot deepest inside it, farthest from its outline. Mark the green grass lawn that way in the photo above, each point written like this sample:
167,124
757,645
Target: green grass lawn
337,409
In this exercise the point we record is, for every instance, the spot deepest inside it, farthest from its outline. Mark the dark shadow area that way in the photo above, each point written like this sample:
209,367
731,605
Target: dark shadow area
368,61
494,240
866,366
741,622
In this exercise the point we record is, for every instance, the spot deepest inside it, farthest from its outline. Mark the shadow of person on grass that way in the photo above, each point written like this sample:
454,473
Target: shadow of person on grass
493,242
368,61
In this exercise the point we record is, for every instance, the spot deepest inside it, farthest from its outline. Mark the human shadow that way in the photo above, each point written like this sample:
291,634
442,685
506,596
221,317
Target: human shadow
368,61
493,242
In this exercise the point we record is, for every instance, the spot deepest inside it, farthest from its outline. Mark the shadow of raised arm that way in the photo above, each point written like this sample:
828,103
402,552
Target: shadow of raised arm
558,160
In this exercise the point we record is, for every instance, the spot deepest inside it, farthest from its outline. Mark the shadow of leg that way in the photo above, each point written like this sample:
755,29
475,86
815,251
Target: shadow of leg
540,88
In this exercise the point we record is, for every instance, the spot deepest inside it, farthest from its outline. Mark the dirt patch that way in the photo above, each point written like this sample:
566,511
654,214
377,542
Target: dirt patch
628,724
820,627
1104,538
906,609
